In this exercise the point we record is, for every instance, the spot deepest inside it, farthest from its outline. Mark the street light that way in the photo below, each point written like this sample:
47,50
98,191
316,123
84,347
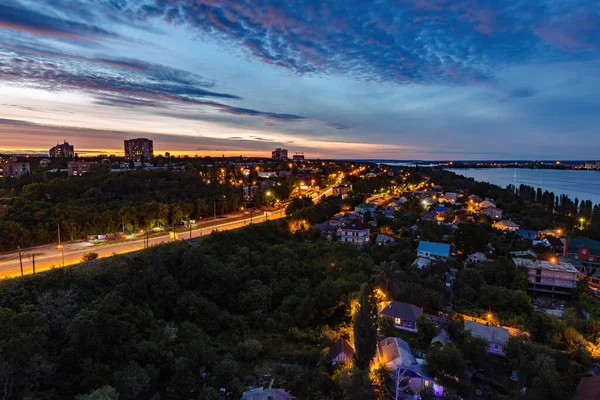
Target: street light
62,250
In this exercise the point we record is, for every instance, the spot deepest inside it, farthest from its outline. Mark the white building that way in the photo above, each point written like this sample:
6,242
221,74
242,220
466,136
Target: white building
356,232
14,169
548,276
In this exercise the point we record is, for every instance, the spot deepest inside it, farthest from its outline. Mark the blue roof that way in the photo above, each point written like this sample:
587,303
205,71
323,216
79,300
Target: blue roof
435,249
440,209
526,234
366,206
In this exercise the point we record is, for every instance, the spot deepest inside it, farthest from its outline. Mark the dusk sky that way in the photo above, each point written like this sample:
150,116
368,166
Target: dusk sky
390,79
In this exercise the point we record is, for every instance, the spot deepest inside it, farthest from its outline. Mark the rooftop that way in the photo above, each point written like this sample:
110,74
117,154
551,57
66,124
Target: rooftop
493,334
559,266
593,245
436,249
398,309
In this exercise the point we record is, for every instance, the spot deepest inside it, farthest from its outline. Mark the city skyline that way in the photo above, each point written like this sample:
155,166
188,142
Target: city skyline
429,79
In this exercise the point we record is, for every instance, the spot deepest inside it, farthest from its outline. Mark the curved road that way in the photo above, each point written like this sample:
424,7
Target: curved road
48,256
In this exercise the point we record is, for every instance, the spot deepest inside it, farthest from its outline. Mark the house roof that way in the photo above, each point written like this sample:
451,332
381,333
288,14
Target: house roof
384,238
339,347
435,249
441,338
491,209
393,352
266,394
554,241
507,223
493,334
546,265
478,256
588,388
356,225
429,214
576,243
527,234
366,206
398,309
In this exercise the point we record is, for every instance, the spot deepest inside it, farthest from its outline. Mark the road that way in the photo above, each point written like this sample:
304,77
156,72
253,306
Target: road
48,256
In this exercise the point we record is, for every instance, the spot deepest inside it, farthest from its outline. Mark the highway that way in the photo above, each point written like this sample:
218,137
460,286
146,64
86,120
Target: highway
48,256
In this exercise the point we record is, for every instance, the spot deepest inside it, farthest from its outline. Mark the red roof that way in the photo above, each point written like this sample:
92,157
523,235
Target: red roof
588,389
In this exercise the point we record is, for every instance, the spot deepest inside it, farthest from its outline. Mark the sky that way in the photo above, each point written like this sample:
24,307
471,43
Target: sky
383,79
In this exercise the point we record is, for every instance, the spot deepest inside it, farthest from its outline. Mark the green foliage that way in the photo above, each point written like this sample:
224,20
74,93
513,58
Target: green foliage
104,393
365,328
426,328
355,384
446,364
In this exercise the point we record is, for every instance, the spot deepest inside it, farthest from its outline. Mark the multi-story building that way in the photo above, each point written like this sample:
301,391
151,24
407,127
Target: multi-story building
77,168
552,277
64,150
587,251
140,149
341,190
14,169
279,154
356,232
298,157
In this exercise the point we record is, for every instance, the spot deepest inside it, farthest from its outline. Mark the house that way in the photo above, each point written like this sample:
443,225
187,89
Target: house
476,258
76,168
365,208
441,338
451,197
44,162
14,169
556,243
496,336
384,239
395,353
422,262
557,233
588,388
356,232
594,281
341,190
404,315
554,277
266,394
341,351
487,203
585,250
433,250
506,225
475,199
406,196
526,234
428,216
492,212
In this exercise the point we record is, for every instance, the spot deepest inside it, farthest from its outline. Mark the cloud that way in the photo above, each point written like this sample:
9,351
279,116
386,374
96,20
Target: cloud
25,20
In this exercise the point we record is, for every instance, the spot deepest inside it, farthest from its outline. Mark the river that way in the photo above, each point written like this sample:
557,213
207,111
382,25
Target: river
581,184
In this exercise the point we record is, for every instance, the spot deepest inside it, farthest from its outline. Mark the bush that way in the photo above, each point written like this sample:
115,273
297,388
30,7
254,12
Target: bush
89,256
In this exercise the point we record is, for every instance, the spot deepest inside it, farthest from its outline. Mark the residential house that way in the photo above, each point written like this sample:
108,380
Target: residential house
428,216
450,197
588,388
496,336
266,394
341,351
526,234
549,277
551,232
76,168
356,232
585,250
594,281
492,212
44,162
475,199
404,315
365,208
433,250
476,258
556,243
406,196
487,203
506,225
441,338
384,239
422,262
395,353
14,169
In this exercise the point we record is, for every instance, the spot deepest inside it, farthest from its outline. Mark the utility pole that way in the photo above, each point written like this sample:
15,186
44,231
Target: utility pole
190,223
58,233
33,261
147,238
215,209
20,259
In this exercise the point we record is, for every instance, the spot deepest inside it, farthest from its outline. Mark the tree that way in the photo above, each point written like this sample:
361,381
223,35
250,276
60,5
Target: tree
426,328
446,363
104,393
355,384
365,328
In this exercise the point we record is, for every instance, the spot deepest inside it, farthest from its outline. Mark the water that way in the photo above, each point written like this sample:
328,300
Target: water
581,184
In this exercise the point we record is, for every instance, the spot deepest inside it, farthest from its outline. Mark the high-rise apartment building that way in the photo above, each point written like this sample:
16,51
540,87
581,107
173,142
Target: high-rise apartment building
64,150
279,154
139,149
